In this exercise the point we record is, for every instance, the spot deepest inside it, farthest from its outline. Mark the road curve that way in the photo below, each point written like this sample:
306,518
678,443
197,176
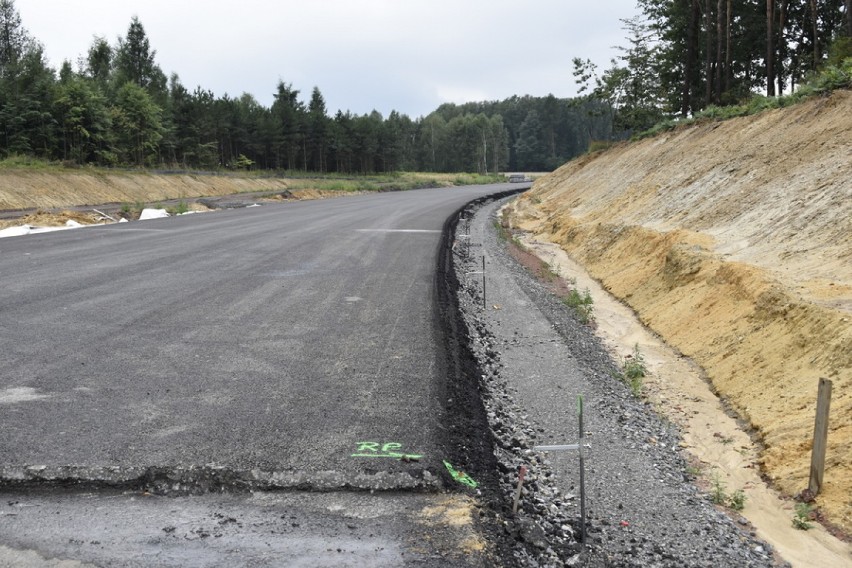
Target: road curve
285,345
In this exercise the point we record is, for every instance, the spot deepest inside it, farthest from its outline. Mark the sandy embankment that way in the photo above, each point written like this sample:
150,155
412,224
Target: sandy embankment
59,196
48,190
733,241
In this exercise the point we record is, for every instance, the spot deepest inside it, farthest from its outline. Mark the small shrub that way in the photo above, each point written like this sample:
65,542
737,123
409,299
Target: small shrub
546,272
717,492
181,207
693,471
634,364
804,513
581,304
633,370
737,500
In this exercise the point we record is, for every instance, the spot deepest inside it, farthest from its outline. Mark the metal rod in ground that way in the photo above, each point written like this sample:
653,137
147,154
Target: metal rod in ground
582,477
521,474
484,303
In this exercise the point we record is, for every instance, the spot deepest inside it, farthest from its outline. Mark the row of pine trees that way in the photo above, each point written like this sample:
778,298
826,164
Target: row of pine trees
117,108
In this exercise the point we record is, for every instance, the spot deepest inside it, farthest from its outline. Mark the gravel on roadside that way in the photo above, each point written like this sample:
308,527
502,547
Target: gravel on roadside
535,359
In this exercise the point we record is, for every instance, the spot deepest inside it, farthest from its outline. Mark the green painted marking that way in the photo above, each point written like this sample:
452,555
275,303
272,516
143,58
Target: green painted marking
461,476
390,455
379,450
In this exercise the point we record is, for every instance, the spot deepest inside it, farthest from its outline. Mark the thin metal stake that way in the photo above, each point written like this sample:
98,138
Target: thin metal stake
521,476
580,446
582,476
484,306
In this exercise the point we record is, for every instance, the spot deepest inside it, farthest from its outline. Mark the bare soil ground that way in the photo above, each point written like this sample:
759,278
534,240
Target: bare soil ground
733,241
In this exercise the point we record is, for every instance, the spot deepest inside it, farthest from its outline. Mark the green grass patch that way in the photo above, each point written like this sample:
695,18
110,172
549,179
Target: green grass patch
179,209
19,162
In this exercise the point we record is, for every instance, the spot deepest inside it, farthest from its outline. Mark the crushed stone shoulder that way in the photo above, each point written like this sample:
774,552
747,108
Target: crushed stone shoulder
536,359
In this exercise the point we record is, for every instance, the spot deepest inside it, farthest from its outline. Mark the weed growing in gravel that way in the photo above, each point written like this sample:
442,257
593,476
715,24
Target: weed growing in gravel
737,500
804,513
634,364
693,471
546,272
633,370
717,492
502,234
505,234
581,304
181,207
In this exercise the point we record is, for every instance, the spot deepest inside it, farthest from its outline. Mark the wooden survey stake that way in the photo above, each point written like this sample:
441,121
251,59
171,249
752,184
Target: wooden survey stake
820,437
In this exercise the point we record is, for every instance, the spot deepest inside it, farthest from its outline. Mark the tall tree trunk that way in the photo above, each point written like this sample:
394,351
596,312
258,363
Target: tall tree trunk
815,19
708,58
782,45
728,54
691,58
848,18
720,33
770,49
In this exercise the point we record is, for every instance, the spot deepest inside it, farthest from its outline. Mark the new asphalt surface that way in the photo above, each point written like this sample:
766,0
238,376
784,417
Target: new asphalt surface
288,345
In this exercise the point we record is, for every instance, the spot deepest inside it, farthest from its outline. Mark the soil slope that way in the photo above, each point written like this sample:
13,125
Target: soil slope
46,190
733,241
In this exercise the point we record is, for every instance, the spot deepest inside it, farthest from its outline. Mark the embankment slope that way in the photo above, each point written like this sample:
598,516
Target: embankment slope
733,241
21,189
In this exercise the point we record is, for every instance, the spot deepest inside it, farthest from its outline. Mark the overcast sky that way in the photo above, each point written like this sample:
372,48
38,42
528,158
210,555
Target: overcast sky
404,55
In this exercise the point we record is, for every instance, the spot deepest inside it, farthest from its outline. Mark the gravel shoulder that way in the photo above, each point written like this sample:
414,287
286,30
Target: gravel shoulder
536,359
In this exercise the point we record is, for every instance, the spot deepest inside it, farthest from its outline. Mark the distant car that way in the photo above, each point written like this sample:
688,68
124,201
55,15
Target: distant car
517,178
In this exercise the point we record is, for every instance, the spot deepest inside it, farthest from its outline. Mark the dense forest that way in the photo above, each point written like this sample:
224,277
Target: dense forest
117,108
686,55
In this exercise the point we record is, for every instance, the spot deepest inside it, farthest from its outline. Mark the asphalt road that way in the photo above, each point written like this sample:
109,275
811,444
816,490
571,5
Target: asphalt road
290,344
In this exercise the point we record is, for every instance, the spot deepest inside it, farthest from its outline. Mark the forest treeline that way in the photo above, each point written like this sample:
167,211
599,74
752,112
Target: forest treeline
116,107
683,56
